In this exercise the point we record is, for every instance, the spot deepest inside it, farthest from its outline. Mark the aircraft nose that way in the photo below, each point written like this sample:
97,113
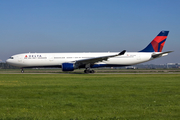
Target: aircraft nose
7,61
10,62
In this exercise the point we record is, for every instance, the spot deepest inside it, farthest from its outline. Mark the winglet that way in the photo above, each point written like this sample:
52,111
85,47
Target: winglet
122,53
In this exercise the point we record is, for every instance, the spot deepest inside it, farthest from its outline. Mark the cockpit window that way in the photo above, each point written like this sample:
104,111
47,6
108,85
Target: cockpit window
11,57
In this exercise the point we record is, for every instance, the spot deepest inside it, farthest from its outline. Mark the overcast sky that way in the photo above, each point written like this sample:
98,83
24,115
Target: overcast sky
88,26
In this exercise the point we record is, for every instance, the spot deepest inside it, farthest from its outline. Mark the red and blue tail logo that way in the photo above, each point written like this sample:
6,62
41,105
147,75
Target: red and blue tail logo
158,43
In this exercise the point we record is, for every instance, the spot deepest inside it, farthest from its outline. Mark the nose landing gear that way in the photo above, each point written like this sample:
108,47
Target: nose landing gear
22,71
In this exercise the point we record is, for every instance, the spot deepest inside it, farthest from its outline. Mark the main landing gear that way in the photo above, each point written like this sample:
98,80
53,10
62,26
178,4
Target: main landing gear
89,71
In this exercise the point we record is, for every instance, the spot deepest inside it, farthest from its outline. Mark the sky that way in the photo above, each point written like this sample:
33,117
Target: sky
88,26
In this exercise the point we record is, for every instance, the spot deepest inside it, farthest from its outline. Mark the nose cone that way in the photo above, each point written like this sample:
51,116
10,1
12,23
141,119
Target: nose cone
14,62
8,61
11,61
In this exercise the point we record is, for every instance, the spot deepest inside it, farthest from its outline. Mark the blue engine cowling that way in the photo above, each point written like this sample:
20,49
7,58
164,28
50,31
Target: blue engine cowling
67,66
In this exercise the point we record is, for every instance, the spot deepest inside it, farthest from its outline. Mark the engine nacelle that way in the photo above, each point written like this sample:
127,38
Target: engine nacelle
67,66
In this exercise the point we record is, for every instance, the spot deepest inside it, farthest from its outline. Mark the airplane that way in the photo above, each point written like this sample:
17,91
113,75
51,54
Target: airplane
72,61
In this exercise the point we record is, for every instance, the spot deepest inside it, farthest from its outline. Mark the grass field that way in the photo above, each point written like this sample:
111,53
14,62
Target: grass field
103,70
89,96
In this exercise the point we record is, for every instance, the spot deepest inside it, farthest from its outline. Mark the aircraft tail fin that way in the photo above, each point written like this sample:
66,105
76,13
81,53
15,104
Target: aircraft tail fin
157,43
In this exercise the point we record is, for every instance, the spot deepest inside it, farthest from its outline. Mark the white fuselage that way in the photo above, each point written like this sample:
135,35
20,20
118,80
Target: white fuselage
72,61
56,59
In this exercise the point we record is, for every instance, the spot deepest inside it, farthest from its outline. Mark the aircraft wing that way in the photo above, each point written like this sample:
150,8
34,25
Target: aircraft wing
97,59
154,55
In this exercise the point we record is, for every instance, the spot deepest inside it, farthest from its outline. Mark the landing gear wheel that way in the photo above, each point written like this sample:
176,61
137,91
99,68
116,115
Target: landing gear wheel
92,71
22,71
86,71
89,71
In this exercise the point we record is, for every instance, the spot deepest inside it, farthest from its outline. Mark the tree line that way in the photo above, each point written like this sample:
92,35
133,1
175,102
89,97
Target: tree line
7,66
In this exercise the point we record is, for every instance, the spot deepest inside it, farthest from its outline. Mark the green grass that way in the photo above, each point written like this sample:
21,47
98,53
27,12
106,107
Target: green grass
89,96
102,70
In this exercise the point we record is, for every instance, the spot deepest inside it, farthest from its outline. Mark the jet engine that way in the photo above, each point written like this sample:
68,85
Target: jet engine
68,67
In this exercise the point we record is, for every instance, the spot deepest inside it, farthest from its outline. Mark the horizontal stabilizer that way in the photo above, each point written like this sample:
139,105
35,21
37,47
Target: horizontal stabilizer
154,55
